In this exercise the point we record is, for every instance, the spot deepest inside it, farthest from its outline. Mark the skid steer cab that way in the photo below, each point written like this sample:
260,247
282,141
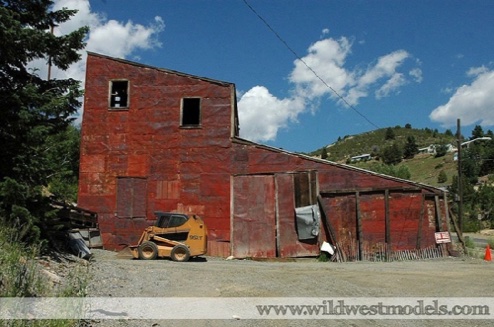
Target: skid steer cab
175,235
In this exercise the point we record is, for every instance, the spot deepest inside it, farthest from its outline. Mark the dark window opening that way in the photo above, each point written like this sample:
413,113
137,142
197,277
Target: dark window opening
191,111
118,94
305,186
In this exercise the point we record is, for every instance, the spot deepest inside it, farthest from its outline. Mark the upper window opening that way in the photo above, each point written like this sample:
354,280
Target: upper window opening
119,94
191,111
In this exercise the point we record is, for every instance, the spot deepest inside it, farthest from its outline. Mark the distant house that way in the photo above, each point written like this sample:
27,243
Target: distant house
432,149
362,157
154,139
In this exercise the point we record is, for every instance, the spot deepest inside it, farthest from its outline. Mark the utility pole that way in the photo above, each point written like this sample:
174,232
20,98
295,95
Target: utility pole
460,184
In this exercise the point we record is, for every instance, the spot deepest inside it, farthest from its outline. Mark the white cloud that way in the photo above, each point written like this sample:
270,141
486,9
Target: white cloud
327,59
471,103
391,85
261,114
416,73
109,37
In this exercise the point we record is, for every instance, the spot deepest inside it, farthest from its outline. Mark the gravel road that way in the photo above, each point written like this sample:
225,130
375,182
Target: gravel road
117,276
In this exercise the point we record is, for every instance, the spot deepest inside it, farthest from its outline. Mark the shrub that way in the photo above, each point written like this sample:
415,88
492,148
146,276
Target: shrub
442,177
469,243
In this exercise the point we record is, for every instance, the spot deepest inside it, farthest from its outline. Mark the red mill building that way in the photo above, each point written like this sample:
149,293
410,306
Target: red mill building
159,140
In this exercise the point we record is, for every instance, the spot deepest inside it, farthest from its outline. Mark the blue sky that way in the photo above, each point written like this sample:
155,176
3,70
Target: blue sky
426,63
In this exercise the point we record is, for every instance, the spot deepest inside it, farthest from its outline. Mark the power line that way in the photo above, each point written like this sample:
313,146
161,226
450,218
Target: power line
306,65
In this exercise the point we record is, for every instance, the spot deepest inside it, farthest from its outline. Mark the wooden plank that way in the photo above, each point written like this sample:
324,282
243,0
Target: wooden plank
329,228
438,214
421,223
288,244
371,190
387,224
359,225
254,225
457,229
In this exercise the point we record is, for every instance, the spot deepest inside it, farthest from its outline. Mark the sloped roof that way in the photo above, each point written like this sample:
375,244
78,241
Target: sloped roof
343,166
169,71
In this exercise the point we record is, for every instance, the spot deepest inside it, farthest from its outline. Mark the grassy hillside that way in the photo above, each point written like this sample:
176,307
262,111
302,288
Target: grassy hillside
373,141
424,168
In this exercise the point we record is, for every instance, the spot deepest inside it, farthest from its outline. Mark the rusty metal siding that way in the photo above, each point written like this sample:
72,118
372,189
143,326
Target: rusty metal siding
190,170
254,233
131,197
288,243
187,169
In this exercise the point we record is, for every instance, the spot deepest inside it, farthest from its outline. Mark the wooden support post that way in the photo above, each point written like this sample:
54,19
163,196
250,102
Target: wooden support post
329,229
421,223
387,224
438,214
439,228
359,225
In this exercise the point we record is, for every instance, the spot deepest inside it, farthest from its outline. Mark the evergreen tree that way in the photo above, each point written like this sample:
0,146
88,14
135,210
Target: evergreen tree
411,148
390,134
442,177
448,132
441,150
392,155
477,132
324,153
33,108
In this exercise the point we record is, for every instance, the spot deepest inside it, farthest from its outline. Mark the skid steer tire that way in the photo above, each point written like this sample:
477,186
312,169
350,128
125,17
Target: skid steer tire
180,253
148,251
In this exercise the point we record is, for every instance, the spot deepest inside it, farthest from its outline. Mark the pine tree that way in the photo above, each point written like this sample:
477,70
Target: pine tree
324,153
442,177
390,134
477,132
411,148
392,154
33,108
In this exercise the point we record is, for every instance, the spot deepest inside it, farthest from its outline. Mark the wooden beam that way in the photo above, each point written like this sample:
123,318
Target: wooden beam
421,223
370,190
438,214
329,229
327,222
359,225
387,226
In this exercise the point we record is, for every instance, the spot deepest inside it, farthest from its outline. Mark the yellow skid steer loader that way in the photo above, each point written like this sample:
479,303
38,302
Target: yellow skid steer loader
174,235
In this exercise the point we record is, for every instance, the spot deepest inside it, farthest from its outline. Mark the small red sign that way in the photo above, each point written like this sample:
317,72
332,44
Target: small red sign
442,237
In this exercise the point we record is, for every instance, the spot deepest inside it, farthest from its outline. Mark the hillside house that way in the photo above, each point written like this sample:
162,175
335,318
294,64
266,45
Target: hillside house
362,157
160,140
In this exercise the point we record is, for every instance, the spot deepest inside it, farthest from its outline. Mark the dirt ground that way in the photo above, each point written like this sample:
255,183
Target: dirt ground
117,276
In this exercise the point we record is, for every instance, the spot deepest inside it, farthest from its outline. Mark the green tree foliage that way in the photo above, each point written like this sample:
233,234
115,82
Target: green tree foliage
324,153
390,134
441,150
33,109
442,177
392,155
448,132
63,154
411,148
484,200
401,171
472,162
408,126
477,132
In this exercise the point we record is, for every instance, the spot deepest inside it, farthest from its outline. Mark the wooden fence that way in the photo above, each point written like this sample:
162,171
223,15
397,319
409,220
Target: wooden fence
382,252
